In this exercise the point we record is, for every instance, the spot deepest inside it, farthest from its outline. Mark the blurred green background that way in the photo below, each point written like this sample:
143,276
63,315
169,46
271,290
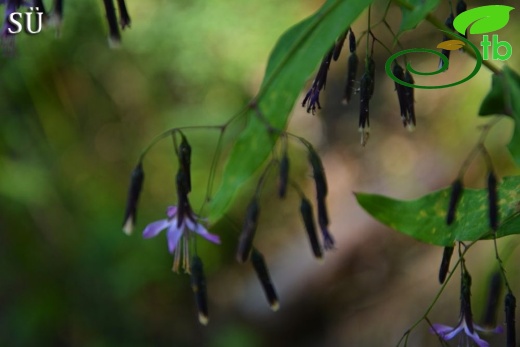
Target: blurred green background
74,117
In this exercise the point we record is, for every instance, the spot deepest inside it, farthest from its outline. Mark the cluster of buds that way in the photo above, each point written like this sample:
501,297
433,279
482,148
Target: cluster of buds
12,19
246,250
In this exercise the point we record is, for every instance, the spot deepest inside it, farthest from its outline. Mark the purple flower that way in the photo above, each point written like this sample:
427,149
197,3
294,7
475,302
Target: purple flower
179,227
466,319
470,331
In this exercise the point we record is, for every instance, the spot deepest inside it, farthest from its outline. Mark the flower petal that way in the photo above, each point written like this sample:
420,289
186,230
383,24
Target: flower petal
476,338
153,229
441,329
199,229
174,235
171,211
453,333
497,330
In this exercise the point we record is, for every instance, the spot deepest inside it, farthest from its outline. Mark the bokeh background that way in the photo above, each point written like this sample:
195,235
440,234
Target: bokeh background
75,116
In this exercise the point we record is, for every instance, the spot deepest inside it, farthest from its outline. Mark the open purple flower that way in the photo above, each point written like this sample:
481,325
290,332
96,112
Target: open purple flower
470,331
466,319
179,227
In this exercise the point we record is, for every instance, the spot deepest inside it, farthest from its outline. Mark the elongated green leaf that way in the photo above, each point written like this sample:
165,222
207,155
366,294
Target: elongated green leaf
292,61
417,11
425,218
504,98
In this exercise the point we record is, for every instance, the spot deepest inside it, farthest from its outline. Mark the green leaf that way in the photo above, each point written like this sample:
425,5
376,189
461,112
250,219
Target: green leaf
292,61
485,19
425,218
504,98
414,11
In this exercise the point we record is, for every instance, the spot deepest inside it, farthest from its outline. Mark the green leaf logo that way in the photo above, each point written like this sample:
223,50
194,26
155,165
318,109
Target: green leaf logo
485,19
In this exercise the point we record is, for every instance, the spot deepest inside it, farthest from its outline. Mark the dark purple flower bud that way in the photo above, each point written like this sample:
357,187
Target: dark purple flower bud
401,94
492,200
114,36
41,8
455,195
283,179
185,160
409,98
339,45
312,98
445,263
465,299
461,7
364,121
310,227
183,208
265,280
136,184
510,304
198,285
124,17
352,41
494,293
245,242
351,76
318,172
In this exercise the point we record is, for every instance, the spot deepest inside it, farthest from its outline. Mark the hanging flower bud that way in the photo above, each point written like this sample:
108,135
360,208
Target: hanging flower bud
283,179
465,299
339,45
310,227
352,41
371,68
445,52
257,259
136,184
364,121
41,8
321,193
114,38
455,195
351,76
494,293
461,7
185,160
510,304
245,242
445,263
182,196
493,200
398,72
318,172
124,17
409,100
312,98
198,285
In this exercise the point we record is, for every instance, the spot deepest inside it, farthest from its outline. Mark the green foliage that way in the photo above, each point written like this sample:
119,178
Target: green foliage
415,12
293,59
504,98
425,218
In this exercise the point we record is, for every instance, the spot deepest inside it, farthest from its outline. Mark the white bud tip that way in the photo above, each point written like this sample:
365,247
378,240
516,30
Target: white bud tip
128,227
410,127
114,43
203,319
275,306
